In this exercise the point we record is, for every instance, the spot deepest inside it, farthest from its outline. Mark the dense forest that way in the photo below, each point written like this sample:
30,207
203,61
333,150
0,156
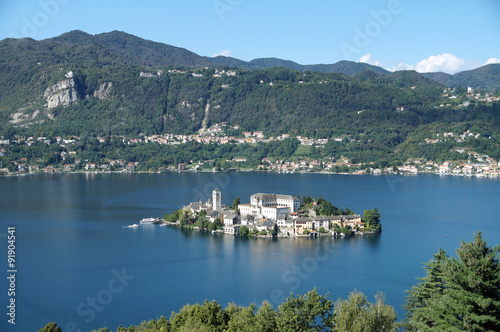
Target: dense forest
456,294
274,100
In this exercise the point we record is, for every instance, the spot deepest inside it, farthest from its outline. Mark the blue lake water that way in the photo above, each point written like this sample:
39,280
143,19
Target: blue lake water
78,266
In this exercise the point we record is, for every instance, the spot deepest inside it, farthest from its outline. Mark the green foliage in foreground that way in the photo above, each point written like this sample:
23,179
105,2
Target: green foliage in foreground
458,293
308,312
50,327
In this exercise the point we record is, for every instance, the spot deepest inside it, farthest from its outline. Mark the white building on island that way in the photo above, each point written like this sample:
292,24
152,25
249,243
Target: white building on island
270,205
216,200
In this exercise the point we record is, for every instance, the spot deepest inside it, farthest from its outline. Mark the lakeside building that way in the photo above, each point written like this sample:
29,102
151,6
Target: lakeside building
300,224
270,206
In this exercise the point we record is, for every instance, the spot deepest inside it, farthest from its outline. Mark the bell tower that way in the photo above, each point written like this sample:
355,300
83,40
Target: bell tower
216,200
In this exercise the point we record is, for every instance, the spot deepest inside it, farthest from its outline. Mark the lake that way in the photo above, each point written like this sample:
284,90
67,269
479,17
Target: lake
79,267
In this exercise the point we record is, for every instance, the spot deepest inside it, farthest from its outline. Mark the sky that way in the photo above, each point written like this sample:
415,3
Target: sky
423,35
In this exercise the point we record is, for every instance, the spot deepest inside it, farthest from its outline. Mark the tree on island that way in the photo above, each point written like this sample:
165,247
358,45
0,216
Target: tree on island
348,211
217,223
184,218
236,202
322,207
174,217
244,231
202,221
306,200
326,208
346,230
467,293
371,218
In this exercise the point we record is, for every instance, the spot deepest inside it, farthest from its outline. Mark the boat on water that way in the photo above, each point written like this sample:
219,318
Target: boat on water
148,221
133,226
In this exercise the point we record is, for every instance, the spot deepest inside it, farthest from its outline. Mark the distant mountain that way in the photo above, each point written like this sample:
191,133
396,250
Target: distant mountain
438,77
149,53
154,54
117,47
347,67
144,52
229,62
485,77
343,67
264,63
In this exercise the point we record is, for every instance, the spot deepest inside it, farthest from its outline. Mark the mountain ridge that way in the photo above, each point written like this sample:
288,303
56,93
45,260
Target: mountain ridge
160,54
144,52
156,54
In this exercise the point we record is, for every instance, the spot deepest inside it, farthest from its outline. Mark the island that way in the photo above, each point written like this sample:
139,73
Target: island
274,215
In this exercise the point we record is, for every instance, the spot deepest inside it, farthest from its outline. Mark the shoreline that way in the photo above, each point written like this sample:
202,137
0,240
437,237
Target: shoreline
482,176
294,236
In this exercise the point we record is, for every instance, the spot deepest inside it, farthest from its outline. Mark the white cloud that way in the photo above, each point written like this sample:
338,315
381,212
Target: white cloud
227,53
447,63
401,66
367,58
491,60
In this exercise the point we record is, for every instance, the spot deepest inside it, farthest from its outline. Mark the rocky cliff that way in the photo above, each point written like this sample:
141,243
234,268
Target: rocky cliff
62,93
104,91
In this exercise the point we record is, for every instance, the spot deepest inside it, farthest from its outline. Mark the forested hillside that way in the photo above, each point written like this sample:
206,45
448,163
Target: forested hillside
486,78
116,84
275,100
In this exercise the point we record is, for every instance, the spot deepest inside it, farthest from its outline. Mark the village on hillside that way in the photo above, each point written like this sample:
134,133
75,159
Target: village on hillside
272,215
478,165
